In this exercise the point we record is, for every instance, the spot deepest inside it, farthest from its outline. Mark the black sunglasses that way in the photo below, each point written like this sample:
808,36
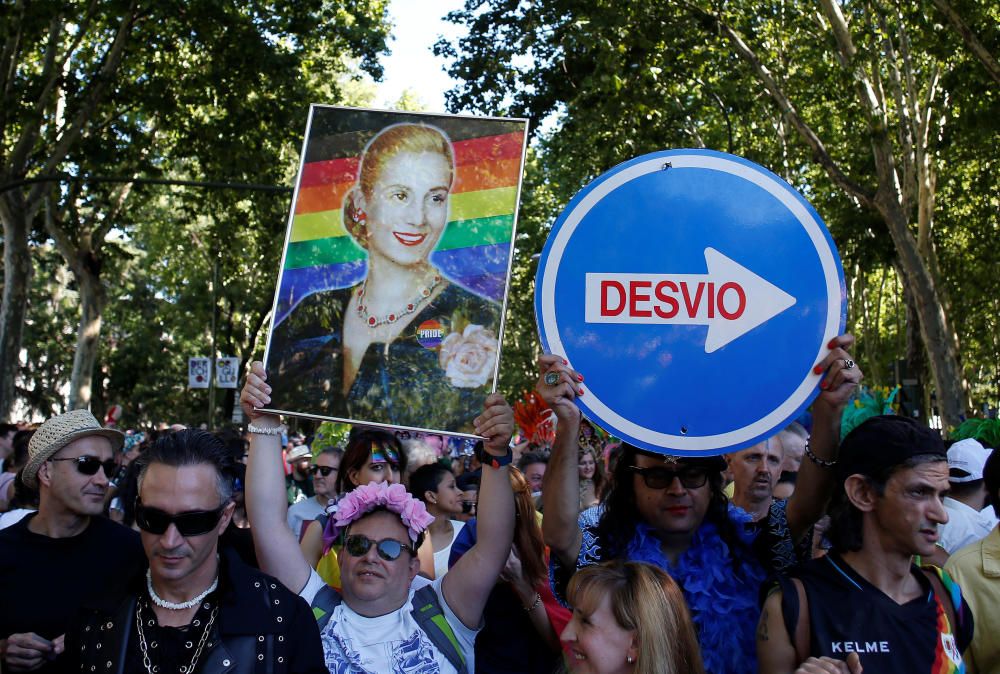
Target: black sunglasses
388,549
657,477
89,465
191,523
322,470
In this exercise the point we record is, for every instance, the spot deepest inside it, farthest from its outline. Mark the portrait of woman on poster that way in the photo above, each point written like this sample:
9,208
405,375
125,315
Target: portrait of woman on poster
405,346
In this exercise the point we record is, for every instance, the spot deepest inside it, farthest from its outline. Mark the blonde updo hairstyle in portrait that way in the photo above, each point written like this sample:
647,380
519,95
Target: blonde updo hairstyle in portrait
389,142
646,601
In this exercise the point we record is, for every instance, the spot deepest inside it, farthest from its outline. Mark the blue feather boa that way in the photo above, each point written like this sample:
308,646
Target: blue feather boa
723,603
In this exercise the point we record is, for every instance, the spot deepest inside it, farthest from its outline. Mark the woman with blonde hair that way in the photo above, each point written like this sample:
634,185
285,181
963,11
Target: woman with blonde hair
629,617
404,336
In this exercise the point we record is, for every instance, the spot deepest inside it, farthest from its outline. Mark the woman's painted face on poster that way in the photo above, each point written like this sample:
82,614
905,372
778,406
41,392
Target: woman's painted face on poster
408,208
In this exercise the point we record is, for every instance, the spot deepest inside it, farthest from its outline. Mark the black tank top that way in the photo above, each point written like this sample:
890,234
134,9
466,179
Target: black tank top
849,614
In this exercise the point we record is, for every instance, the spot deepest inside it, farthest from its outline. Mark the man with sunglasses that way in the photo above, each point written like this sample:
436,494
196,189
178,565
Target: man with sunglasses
196,608
671,511
385,619
68,552
324,476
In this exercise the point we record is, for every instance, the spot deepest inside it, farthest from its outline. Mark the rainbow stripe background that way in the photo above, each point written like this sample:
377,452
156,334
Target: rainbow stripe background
474,250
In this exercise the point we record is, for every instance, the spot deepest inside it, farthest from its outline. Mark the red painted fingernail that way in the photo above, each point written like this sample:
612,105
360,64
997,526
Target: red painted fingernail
818,369
580,391
832,344
822,385
579,377
565,362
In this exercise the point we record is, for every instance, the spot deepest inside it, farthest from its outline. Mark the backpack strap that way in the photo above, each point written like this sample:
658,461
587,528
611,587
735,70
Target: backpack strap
430,618
947,599
323,604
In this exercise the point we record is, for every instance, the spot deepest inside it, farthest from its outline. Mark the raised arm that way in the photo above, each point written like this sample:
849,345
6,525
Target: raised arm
561,485
468,584
815,483
266,500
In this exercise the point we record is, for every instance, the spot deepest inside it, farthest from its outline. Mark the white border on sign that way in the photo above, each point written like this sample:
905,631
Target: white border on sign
777,189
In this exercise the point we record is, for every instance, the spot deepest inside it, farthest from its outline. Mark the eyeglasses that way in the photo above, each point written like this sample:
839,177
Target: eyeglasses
322,470
388,549
191,523
657,477
89,465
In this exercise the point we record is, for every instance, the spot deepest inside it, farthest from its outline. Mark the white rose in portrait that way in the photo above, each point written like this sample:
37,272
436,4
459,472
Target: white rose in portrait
468,358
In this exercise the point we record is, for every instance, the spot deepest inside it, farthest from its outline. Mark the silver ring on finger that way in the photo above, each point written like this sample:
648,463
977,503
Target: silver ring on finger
848,364
551,378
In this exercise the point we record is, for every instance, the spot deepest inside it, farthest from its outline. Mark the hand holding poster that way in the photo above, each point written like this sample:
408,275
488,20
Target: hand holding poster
390,300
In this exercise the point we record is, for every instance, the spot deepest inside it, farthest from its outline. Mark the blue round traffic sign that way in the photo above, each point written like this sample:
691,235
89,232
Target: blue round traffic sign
696,291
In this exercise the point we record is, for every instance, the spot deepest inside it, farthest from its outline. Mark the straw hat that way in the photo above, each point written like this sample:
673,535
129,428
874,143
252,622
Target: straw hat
58,432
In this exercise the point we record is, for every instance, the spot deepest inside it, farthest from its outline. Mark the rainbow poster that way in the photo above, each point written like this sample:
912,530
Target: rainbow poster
389,303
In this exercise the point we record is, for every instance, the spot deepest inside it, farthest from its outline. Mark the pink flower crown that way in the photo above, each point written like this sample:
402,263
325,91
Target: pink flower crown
393,497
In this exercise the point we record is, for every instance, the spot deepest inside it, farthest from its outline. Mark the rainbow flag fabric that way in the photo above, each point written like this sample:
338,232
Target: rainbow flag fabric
474,250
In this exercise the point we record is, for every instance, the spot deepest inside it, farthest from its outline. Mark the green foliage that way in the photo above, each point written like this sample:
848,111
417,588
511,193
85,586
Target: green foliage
616,80
205,90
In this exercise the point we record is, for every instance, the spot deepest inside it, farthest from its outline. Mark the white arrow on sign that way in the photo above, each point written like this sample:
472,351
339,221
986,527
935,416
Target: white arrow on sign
730,299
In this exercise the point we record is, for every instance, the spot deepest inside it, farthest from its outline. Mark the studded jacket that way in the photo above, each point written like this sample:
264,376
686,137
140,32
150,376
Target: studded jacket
262,628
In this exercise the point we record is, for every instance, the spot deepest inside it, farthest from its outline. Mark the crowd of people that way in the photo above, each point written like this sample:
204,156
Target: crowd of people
184,550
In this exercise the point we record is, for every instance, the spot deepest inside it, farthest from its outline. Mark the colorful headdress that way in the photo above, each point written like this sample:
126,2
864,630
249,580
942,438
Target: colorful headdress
870,402
535,419
364,499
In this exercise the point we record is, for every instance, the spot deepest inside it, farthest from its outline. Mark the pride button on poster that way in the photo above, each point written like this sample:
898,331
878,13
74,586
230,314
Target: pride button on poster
696,291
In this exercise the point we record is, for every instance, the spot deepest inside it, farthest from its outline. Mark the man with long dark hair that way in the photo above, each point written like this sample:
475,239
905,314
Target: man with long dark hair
672,512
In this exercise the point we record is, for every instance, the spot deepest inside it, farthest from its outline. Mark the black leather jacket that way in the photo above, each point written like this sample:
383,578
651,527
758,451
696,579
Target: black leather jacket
262,629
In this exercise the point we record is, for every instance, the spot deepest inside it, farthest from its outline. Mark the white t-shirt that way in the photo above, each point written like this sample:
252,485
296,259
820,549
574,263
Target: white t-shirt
965,525
303,511
441,556
391,643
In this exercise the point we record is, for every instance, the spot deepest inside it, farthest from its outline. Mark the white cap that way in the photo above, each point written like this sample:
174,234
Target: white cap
303,452
966,459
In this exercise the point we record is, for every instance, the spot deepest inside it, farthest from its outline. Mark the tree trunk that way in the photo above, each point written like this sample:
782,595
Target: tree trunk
935,331
16,281
88,335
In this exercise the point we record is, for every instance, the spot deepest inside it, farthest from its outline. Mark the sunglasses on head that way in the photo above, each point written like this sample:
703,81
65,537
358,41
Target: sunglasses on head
89,465
388,549
657,477
384,454
322,470
191,523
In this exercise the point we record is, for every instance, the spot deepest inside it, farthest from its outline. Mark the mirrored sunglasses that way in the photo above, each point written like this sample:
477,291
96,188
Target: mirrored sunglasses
322,470
388,549
89,465
657,477
191,523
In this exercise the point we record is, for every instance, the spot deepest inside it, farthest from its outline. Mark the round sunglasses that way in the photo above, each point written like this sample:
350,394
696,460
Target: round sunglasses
388,549
89,465
190,523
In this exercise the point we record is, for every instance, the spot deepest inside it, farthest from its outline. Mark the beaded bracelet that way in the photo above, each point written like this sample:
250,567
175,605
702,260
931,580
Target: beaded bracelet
266,430
823,463
534,604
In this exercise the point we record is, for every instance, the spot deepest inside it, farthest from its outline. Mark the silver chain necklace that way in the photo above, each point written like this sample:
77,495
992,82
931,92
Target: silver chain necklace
163,603
148,663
